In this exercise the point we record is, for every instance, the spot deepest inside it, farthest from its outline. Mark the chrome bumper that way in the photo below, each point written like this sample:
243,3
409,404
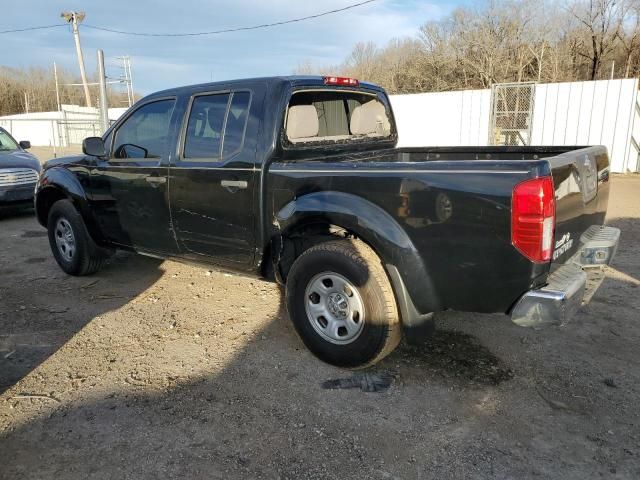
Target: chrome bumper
571,285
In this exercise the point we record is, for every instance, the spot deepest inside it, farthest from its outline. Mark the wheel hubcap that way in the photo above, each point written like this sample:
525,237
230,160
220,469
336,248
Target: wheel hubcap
65,240
334,308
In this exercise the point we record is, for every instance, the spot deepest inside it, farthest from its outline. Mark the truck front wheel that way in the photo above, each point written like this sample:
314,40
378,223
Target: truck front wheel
71,245
342,305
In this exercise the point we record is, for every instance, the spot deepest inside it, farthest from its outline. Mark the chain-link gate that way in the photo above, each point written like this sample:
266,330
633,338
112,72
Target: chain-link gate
511,113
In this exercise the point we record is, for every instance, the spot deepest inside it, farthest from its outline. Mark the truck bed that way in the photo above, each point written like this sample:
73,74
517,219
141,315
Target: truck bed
455,205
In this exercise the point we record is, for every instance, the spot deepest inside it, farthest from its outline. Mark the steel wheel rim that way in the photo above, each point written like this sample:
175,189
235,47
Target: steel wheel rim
334,308
65,239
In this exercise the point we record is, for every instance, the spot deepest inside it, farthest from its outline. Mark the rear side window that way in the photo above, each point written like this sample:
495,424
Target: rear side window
236,122
216,125
144,134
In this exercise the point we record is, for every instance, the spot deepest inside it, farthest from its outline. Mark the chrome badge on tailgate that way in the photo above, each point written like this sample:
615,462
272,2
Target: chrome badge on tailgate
587,174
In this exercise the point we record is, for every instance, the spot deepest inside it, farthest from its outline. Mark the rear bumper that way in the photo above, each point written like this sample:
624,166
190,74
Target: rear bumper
572,284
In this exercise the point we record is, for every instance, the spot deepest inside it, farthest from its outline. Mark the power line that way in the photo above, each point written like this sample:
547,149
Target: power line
229,30
27,29
193,34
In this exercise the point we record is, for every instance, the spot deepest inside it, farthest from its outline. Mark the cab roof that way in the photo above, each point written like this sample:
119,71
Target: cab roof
292,80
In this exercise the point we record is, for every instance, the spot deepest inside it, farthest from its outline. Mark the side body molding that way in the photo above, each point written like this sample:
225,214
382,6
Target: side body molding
413,286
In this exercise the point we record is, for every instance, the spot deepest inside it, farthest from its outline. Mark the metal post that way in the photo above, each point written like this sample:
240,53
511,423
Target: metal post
53,136
102,79
133,99
55,76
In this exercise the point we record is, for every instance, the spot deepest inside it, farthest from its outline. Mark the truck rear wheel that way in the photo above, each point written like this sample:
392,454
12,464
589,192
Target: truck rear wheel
71,245
342,305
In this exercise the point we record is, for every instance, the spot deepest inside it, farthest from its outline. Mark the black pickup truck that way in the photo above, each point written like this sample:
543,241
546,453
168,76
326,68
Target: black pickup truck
298,180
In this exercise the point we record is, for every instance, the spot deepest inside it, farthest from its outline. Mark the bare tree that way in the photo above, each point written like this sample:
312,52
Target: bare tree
629,34
37,87
602,22
506,41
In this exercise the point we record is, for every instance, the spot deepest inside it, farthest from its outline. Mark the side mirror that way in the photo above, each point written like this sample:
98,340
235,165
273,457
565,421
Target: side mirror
94,146
25,144
128,150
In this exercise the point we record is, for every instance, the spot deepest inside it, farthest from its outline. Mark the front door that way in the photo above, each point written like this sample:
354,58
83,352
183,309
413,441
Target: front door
129,188
213,180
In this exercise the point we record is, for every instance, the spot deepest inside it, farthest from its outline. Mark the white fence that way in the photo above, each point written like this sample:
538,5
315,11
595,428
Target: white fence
52,132
604,112
57,129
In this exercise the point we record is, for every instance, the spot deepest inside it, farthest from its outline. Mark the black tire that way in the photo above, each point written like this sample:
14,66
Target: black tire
85,257
356,262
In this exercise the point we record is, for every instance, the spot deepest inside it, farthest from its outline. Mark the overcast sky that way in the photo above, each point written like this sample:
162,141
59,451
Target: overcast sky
166,62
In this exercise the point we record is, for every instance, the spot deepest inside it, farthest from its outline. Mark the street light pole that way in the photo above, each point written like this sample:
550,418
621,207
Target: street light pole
74,18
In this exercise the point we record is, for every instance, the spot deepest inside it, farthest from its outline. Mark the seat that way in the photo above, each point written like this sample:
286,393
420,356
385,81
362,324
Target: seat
370,119
302,124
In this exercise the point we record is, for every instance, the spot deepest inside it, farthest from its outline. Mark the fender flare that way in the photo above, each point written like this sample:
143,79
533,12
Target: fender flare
413,286
69,186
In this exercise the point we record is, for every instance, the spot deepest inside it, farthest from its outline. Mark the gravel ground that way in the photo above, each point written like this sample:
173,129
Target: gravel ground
154,369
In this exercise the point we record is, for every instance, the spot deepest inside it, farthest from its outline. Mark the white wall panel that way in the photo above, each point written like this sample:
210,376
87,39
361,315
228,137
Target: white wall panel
574,113
442,118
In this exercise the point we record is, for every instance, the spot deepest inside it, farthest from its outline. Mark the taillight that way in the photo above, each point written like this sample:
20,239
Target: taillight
351,82
533,212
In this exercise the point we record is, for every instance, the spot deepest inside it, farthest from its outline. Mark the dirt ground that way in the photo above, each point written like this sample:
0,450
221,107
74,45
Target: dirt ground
154,369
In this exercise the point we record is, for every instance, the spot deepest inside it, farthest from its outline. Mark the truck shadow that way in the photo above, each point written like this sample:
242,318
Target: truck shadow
452,355
257,410
252,417
41,308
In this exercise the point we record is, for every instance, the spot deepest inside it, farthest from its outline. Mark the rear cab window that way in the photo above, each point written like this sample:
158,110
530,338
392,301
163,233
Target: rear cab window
335,116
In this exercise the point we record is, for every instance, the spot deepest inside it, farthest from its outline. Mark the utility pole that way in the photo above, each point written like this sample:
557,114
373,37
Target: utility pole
55,77
74,18
104,107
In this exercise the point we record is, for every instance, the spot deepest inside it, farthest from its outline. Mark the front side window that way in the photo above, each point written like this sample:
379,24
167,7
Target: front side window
216,125
144,134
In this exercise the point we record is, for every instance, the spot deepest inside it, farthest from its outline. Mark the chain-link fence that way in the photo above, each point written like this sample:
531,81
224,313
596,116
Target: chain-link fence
52,132
511,113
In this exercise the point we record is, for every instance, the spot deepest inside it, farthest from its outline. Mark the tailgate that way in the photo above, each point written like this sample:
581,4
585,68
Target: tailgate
581,180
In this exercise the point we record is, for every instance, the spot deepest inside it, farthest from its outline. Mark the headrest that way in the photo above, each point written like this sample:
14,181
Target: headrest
215,116
302,122
370,118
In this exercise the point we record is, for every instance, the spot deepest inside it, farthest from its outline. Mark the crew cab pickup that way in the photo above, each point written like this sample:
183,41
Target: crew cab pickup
298,180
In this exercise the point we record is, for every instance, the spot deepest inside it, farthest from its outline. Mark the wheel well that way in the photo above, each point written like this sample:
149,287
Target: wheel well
45,200
285,248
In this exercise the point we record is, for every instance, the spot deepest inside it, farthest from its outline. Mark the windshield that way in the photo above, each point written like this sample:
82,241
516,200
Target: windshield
7,143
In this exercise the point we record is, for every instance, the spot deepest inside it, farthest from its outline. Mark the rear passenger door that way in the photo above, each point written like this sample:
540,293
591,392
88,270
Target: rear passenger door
212,181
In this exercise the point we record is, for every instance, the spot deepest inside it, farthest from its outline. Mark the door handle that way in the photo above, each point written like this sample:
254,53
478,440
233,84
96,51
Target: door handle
235,184
156,180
